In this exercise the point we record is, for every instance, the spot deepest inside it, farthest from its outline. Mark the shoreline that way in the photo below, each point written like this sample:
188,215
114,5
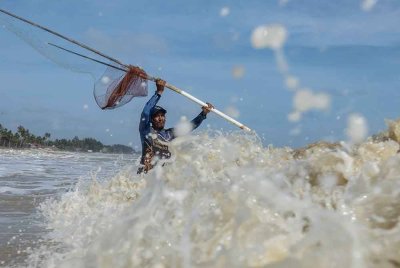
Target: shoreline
55,149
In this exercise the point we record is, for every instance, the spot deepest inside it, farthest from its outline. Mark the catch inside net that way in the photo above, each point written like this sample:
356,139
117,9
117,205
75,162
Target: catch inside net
117,87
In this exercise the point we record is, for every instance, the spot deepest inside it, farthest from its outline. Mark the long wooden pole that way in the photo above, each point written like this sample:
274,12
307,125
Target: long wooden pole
172,87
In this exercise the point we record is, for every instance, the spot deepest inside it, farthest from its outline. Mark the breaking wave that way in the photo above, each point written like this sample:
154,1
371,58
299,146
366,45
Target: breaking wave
225,200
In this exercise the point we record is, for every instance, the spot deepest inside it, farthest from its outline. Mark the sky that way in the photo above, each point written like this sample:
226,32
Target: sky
348,50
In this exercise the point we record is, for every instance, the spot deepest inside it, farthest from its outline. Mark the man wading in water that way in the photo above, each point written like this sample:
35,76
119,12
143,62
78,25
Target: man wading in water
153,135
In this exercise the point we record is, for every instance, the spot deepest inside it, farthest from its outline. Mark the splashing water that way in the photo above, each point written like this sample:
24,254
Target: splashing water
368,5
274,36
227,201
269,36
238,72
283,2
305,100
183,127
105,79
224,11
357,128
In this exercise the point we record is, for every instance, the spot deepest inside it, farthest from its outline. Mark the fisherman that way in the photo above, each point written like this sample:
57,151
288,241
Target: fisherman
153,135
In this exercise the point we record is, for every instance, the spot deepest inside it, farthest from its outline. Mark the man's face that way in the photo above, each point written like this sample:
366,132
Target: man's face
158,120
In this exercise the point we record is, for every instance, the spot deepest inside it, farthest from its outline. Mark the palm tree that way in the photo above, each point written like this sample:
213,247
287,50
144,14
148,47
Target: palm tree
23,134
46,138
17,139
9,136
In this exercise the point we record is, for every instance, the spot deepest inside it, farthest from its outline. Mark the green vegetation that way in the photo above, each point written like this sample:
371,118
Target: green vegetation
24,139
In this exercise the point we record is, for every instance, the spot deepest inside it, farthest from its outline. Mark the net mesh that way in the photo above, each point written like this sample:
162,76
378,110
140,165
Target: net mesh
39,40
113,87
116,87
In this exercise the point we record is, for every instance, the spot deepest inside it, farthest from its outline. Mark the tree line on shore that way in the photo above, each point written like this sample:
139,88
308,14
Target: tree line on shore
22,138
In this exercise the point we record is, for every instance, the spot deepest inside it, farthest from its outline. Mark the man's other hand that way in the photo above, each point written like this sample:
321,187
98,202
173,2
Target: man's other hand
207,109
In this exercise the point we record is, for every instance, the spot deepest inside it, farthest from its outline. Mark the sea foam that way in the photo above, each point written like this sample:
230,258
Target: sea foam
225,200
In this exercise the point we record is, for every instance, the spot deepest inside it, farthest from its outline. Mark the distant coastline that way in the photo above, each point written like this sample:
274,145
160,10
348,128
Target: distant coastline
23,139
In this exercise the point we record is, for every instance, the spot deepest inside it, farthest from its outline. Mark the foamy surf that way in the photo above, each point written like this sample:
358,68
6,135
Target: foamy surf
227,201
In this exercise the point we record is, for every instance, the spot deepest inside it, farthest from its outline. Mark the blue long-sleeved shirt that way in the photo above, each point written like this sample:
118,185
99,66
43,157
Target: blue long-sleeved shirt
154,141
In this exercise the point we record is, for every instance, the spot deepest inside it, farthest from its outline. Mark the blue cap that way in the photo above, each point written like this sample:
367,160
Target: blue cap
157,109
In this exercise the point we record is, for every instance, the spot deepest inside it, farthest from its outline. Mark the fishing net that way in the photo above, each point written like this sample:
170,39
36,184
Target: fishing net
40,41
116,87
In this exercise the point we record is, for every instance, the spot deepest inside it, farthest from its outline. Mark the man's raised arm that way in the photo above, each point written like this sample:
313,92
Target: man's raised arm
145,116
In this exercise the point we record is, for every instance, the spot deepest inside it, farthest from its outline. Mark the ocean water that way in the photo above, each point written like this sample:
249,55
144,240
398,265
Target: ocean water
28,178
224,200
